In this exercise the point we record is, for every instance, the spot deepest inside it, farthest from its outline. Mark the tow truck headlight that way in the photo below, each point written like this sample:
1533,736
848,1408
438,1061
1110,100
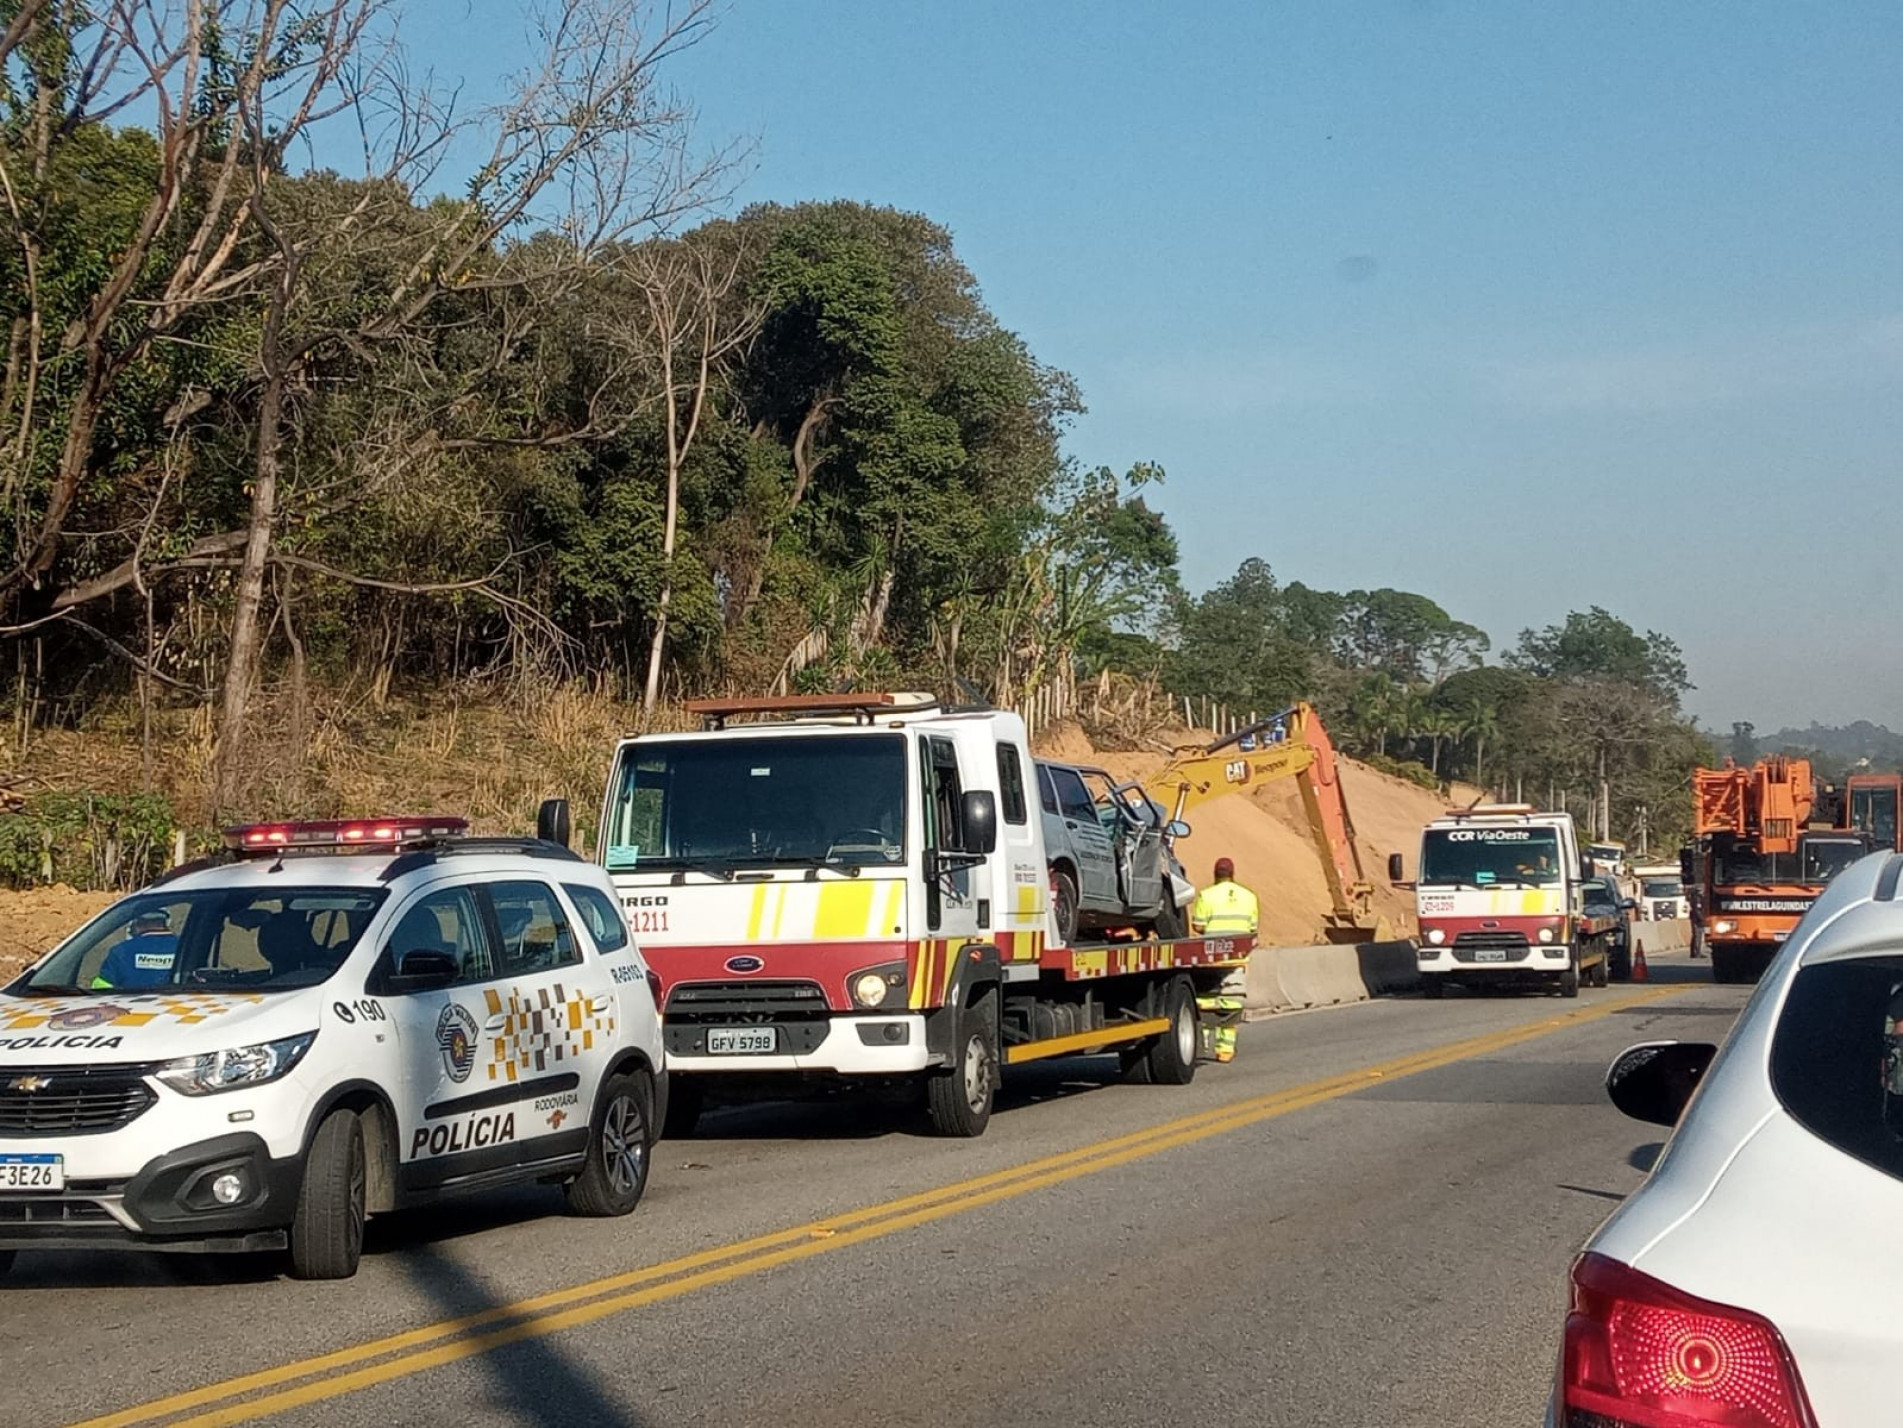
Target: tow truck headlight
1724,925
1546,934
241,1066
1436,935
872,987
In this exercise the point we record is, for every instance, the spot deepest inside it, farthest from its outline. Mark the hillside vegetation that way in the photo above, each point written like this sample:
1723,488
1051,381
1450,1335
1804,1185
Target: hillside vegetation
336,492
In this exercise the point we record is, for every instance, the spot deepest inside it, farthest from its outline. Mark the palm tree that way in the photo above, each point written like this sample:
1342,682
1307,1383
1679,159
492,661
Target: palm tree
1480,721
1372,710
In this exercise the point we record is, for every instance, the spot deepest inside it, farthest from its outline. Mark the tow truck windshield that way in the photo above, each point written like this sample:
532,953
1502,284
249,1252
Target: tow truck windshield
1491,857
716,805
220,939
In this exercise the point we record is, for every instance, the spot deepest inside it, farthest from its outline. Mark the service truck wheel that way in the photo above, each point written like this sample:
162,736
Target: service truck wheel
327,1233
685,1102
959,1098
1172,1056
619,1142
1569,979
1064,906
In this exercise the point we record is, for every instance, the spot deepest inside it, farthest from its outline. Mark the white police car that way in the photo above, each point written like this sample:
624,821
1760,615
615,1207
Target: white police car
328,1021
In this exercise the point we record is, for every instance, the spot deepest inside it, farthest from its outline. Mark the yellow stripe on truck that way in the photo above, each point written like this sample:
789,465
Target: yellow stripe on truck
757,913
893,920
845,911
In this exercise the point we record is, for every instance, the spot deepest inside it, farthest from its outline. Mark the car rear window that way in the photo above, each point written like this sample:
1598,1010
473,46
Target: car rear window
1837,1057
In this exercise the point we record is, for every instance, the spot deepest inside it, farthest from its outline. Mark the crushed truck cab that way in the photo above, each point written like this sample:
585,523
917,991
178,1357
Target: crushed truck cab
857,886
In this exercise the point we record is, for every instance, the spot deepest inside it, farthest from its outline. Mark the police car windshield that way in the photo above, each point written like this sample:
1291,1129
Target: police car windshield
212,939
1490,857
718,804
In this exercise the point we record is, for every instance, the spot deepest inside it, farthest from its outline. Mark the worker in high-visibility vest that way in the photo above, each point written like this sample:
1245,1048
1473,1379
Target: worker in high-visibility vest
1225,909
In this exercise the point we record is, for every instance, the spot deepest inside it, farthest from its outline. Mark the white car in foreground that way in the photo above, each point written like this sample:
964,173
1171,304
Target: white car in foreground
1751,1281
332,1020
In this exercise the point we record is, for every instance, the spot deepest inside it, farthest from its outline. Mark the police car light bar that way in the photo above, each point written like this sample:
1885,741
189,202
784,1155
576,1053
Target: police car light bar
341,833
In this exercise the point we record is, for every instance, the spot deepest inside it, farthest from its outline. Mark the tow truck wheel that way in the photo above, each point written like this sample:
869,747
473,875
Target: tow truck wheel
619,1142
327,1233
1172,1056
959,1099
685,1102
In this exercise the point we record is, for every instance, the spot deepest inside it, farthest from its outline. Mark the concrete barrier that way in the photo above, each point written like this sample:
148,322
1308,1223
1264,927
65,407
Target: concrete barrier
1296,978
1672,935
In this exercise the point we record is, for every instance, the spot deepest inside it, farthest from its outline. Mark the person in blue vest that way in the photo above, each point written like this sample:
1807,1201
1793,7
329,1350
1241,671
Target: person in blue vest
145,959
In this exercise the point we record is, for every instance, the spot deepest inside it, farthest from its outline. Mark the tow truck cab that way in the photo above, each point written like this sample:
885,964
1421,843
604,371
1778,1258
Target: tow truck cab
1498,899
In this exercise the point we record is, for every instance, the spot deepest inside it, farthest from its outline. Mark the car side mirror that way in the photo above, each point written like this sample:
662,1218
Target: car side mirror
422,971
1176,828
980,817
1585,868
552,821
1626,904
1397,870
1654,1081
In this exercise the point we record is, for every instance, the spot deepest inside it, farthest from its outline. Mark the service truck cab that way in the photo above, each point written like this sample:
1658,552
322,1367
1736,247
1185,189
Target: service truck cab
332,1020
1499,902
857,886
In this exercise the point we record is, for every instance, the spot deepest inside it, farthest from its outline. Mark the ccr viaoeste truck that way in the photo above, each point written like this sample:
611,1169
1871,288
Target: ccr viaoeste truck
1498,898
857,886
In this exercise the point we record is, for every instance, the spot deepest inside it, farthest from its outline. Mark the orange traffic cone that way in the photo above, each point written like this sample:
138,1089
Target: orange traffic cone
1640,972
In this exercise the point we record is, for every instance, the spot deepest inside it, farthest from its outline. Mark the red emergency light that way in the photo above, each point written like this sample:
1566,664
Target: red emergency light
382,833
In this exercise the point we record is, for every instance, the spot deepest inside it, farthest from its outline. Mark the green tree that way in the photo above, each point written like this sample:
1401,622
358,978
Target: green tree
1599,645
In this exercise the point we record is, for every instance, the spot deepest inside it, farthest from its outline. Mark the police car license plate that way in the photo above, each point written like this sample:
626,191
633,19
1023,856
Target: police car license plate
32,1172
1490,954
743,1040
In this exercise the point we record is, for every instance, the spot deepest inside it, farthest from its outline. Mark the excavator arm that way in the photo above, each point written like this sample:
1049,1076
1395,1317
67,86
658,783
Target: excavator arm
1292,744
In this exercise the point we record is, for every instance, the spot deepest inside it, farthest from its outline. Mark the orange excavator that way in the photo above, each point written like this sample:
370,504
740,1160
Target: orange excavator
1291,744
1757,863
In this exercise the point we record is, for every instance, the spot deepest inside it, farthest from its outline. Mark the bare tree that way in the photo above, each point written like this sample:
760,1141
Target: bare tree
689,327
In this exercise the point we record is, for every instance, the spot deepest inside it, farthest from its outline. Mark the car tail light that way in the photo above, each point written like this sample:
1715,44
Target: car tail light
1641,1354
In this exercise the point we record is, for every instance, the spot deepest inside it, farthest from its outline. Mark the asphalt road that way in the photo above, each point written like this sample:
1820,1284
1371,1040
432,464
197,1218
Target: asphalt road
1366,1219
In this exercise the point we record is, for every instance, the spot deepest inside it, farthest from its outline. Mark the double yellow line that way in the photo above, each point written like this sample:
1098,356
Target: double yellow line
326,1376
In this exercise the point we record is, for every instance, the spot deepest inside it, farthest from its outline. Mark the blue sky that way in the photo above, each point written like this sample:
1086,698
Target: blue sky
1527,307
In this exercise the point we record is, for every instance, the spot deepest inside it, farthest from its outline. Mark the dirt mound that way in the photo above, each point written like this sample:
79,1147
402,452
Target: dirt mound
31,922
1064,742
1266,834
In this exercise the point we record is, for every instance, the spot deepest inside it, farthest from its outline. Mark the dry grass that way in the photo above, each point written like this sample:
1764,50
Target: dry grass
490,757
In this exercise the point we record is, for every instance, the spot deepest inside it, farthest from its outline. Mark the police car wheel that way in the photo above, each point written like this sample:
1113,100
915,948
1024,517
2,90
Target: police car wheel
620,1148
327,1234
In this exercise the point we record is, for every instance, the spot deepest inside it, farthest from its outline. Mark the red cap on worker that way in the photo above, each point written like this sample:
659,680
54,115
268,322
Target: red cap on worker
1224,869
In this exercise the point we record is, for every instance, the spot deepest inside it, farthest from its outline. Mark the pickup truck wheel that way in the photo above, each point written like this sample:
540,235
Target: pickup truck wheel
685,1102
959,1099
619,1142
327,1231
1064,906
1172,1055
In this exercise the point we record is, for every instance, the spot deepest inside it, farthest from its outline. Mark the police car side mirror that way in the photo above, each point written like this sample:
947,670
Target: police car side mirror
980,817
422,971
552,822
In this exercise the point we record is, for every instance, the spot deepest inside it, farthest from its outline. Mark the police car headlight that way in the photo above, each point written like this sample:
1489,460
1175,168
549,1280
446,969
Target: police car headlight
242,1066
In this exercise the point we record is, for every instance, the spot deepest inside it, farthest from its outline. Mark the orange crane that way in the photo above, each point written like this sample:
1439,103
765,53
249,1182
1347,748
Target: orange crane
1291,744
1756,865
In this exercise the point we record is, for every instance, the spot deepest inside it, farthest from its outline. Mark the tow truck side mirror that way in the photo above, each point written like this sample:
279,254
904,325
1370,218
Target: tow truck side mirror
552,822
980,817
422,971
1397,870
